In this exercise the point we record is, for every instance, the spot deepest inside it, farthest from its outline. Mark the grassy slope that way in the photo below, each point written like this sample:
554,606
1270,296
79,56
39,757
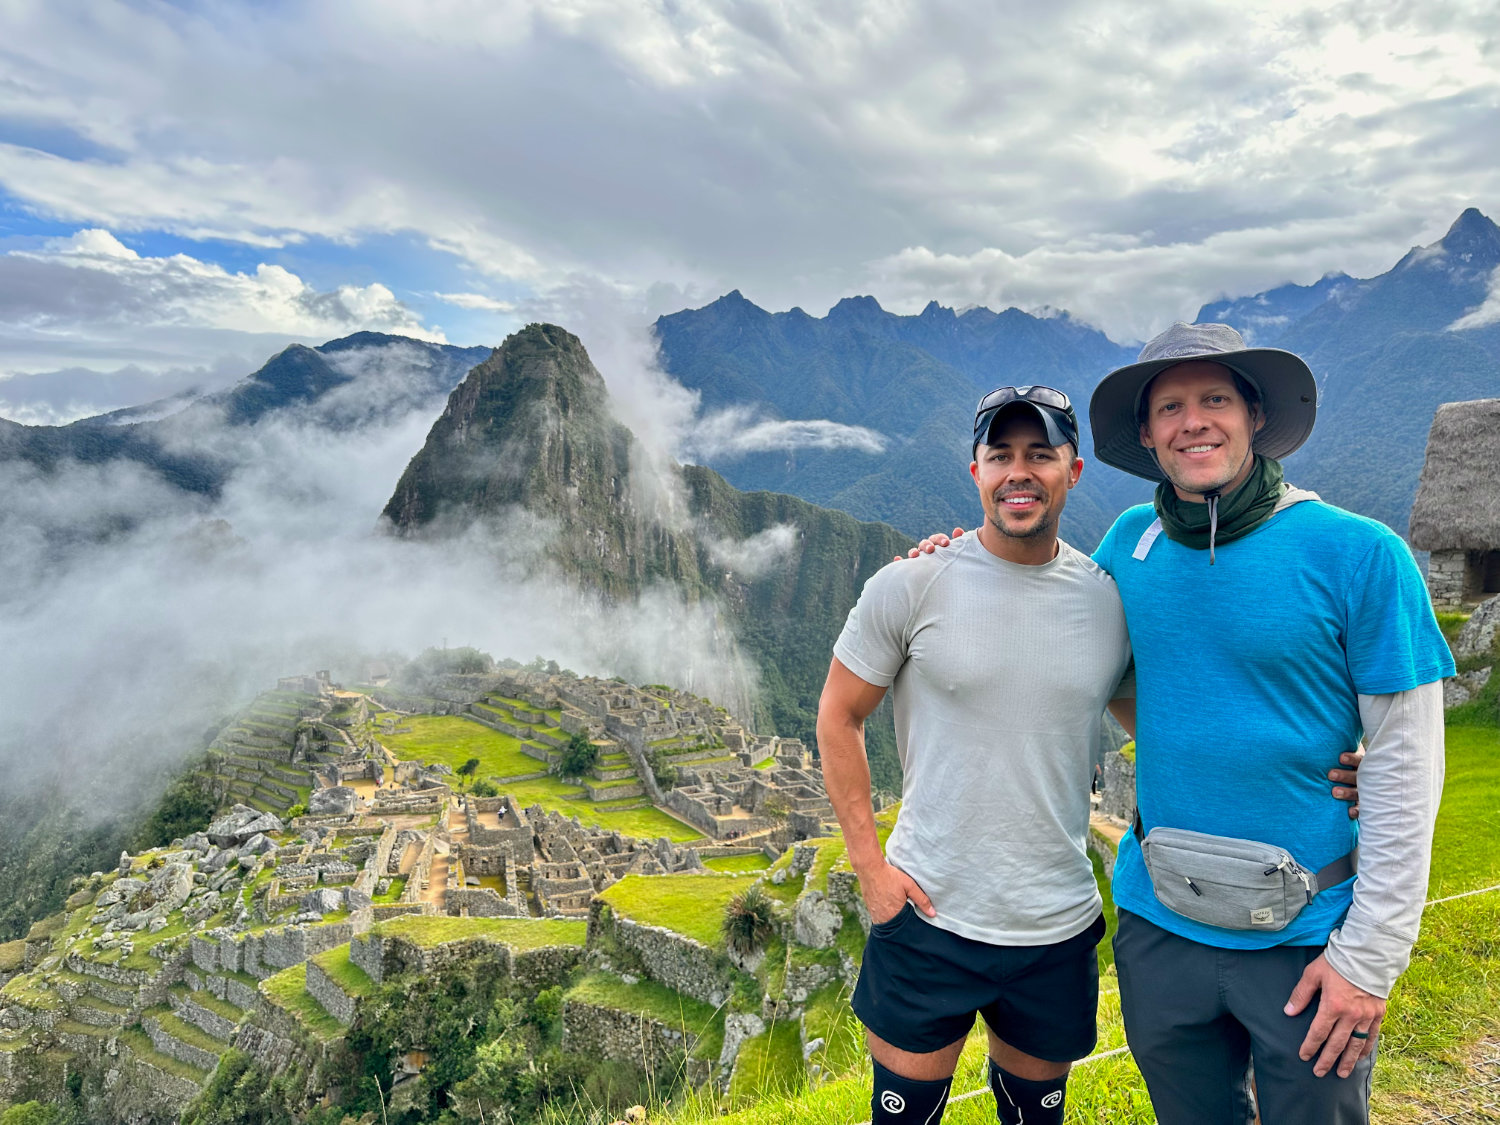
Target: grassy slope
689,904
518,933
453,740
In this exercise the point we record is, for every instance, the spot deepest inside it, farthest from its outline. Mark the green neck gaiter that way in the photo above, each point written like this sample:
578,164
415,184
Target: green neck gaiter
1223,519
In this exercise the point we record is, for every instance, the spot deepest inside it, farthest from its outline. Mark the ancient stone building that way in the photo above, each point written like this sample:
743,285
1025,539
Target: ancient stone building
1456,515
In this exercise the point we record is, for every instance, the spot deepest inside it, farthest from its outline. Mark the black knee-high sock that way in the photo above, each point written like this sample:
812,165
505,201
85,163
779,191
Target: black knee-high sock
907,1101
1020,1101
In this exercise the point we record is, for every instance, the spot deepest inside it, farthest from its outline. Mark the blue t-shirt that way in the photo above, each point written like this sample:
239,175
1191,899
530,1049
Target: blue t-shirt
1247,674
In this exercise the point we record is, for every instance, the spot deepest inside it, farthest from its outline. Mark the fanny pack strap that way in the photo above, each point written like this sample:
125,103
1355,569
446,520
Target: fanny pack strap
1345,867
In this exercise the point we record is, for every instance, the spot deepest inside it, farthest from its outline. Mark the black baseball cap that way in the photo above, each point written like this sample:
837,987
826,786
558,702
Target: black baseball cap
1050,405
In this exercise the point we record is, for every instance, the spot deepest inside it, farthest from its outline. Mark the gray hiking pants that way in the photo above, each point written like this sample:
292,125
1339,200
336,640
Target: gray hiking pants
1195,1013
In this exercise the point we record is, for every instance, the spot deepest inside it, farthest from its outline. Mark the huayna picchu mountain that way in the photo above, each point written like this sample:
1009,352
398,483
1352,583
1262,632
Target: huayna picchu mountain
531,429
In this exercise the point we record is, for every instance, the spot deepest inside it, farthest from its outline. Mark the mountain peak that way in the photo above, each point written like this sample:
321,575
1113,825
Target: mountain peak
529,426
855,306
1473,234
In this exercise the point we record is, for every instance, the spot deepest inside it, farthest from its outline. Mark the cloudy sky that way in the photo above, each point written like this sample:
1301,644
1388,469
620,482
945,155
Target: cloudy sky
184,187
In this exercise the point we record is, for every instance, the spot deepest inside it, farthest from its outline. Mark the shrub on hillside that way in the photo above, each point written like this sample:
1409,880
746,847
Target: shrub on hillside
662,768
186,807
749,921
578,756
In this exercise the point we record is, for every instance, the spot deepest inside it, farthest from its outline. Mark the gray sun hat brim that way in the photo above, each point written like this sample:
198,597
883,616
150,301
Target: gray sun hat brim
1289,399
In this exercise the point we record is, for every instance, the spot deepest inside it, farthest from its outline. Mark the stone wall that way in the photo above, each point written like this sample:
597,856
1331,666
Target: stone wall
174,1048
421,871
679,962
547,966
203,1018
143,1092
1448,579
641,1041
383,955
336,1002
481,902
1117,787
512,832
273,1051
269,951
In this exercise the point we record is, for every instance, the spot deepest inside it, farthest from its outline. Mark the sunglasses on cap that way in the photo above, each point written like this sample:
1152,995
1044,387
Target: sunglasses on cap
1051,403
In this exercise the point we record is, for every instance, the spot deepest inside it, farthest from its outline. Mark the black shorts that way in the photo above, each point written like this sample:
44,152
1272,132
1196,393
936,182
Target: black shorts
920,986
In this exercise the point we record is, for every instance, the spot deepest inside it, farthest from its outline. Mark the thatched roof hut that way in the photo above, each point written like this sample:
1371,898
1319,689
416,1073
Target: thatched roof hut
1456,515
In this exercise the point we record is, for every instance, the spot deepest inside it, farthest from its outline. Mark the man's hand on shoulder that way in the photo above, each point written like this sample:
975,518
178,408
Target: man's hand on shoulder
1347,1023
886,888
931,543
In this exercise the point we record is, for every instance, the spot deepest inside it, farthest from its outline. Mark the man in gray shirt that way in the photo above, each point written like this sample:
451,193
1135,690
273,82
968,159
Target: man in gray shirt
1001,655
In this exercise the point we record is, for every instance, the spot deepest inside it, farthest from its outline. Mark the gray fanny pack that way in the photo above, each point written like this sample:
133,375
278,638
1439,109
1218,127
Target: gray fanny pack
1233,884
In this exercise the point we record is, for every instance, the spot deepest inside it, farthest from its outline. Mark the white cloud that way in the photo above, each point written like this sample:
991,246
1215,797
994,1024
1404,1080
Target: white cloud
476,301
89,301
54,398
1484,314
739,431
181,290
779,148
752,557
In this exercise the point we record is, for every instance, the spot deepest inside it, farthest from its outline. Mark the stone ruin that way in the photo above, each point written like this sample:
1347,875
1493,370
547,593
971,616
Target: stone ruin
717,787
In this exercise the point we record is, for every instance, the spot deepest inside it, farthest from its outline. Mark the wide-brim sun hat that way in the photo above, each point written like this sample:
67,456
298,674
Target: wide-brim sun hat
1288,394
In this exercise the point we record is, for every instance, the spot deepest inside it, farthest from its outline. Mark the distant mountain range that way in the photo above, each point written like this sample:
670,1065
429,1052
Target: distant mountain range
913,379
1386,350
344,383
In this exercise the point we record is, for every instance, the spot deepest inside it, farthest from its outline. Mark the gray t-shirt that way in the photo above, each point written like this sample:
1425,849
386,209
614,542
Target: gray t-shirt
1000,673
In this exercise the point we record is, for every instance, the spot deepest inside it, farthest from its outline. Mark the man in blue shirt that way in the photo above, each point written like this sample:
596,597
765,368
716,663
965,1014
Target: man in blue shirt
1270,631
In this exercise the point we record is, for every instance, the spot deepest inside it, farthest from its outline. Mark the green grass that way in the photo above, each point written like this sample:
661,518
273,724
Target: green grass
691,905
785,894
655,1001
851,938
827,1016
345,973
1111,920
224,1008
393,892
553,713
189,1033
451,740
27,991
832,854
741,863
518,933
12,956
769,1063
288,991
1451,624
141,1046
1468,816
765,763
572,800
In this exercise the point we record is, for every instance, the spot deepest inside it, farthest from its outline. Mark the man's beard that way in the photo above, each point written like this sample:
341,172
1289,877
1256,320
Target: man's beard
1044,525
